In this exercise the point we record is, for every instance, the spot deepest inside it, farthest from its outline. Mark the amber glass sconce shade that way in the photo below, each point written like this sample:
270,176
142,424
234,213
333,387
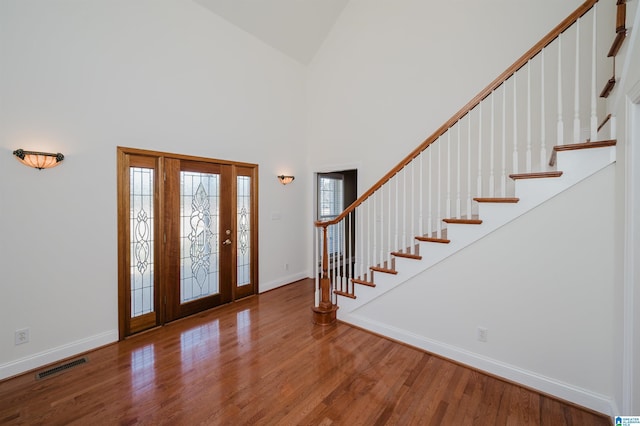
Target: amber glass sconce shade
285,180
38,160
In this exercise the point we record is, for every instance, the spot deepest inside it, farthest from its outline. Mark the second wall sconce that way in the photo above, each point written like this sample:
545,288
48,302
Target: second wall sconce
285,180
38,160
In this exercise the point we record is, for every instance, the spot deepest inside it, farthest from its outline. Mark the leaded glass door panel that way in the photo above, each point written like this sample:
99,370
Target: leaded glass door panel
246,237
199,202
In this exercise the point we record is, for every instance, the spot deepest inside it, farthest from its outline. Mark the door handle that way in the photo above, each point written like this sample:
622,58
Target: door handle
226,242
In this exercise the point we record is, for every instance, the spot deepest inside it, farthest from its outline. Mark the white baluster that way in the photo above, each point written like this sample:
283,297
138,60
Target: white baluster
515,123
594,113
469,196
560,129
430,193
405,201
458,177
397,203
492,144
384,254
412,234
360,250
503,176
612,127
543,127
448,203
528,153
349,251
393,246
384,227
370,243
479,180
439,189
421,192
576,104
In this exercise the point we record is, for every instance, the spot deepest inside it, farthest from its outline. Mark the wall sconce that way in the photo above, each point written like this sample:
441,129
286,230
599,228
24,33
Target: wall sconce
38,160
285,180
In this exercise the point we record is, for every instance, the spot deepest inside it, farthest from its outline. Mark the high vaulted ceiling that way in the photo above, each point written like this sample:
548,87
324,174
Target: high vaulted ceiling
295,27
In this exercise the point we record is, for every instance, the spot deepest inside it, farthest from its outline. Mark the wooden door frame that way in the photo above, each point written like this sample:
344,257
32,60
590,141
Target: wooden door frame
123,165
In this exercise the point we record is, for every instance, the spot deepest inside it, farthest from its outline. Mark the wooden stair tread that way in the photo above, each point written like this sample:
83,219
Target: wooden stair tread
497,200
606,91
463,221
585,145
577,146
617,44
345,294
536,175
433,240
363,282
383,270
406,255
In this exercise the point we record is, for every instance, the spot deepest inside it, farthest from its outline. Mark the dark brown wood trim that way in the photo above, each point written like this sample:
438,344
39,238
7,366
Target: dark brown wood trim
538,175
406,255
146,152
433,240
608,87
345,294
497,200
621,17
522,61
362,282
383,270
585,145
463,221
605,121
617,43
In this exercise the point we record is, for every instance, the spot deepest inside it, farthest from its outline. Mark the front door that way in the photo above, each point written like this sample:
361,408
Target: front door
188,241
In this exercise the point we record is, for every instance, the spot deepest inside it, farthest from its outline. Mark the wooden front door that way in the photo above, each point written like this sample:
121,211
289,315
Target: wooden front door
187,236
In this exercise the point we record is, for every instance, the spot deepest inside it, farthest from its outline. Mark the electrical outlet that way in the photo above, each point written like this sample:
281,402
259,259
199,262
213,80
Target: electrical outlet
22,336
286,266
482,334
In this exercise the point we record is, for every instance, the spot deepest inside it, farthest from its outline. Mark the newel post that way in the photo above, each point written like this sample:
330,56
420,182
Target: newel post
325,312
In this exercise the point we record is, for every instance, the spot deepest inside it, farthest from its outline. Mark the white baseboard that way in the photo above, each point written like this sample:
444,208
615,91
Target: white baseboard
585,398
50,356
282,281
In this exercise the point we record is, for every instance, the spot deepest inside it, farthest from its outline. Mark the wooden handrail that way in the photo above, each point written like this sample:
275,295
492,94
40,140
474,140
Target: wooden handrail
530,54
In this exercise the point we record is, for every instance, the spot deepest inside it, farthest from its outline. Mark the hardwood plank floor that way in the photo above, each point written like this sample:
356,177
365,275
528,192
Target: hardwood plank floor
261,361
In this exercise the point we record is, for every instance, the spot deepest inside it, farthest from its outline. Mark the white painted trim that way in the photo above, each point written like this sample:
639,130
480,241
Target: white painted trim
632,221
583,397
50,356
282,281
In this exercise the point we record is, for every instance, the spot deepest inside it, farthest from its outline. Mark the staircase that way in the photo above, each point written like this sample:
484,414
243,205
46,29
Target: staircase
574,164
487,165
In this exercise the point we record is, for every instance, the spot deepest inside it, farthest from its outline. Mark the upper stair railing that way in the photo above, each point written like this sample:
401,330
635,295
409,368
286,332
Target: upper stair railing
547,97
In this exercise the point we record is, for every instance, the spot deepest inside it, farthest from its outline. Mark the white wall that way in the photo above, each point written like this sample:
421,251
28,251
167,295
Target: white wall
541,285
82,77
391,72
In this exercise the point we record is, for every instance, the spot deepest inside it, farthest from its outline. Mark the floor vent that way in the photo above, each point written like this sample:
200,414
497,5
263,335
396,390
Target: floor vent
62,367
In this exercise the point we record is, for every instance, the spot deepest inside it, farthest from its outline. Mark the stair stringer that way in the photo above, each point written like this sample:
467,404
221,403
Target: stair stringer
576,166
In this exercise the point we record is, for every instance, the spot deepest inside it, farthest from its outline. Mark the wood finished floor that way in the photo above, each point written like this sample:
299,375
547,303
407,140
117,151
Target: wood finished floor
261,361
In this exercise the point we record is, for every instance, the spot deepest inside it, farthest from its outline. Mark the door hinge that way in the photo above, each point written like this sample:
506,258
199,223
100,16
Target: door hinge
164,176
164,238
165,300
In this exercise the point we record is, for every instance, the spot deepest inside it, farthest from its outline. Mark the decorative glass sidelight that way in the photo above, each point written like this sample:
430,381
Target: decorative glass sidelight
141,240
199,216
244,231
